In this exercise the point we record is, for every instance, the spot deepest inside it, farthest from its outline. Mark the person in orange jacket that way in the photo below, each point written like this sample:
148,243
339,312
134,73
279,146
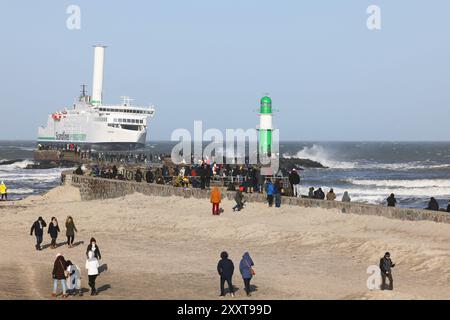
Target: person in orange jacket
216,198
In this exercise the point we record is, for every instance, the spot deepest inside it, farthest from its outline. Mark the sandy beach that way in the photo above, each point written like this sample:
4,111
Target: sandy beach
168,248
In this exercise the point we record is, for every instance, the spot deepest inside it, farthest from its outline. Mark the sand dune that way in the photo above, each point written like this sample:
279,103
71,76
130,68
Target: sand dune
167,248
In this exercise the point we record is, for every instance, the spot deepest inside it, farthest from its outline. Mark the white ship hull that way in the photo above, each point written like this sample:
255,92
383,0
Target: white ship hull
90,123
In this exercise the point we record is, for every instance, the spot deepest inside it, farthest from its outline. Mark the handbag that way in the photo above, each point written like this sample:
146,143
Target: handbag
252,271
66,273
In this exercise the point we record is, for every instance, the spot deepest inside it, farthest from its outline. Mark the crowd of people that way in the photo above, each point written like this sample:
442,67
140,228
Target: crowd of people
64,271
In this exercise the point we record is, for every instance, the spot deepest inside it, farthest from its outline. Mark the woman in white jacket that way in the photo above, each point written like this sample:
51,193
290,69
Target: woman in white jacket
92,267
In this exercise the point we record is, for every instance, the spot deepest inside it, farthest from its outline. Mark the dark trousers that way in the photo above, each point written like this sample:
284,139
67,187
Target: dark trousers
53,242
70,239
92,282
270,200
222,285
5,196
278,200
38,242
247,285
383,281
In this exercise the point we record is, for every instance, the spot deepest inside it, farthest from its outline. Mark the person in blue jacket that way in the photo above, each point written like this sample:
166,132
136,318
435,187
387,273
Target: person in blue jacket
245,267
270,190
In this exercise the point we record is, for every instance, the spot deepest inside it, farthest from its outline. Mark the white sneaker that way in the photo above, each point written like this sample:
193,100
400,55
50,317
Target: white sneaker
232,295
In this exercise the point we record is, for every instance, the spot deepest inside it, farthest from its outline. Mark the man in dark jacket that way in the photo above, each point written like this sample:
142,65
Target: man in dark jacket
386,266
149,177
138,175
319,194
433,205
225,268
38,229
391,201
294,180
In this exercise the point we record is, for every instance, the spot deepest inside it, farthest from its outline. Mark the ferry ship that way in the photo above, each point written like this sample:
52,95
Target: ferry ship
92,124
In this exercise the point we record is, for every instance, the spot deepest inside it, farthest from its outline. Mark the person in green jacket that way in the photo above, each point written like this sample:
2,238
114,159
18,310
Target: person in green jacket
70,231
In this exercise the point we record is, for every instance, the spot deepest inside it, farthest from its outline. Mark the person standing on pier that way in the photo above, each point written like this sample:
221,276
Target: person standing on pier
294,180
70,231
270,192
38,229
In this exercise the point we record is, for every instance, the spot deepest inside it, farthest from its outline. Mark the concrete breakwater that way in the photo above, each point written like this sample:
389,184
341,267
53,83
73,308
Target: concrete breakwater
97,188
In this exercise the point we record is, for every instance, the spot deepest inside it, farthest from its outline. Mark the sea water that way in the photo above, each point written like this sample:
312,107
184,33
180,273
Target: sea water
369,171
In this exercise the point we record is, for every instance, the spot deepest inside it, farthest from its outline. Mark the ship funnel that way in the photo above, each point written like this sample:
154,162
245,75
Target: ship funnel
97,82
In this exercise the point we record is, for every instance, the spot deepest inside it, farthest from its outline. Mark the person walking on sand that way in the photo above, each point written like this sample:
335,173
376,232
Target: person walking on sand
94,248
73,279
391,201
270,192
216,198
331,196
239,198
53,230
386,266
247,272
225,268
92,266
70,231
59,274
3,191
346,197
38,229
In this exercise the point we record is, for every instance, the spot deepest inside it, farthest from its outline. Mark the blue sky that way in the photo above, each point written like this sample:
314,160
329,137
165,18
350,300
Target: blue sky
329,76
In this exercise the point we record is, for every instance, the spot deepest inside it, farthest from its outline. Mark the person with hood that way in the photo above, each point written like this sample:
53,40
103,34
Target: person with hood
3,191
215,198
433,205
239,198
391,201
270,192
149,176
73,279
59,274
94,248
311,193
138,175
247,272
294,180
70,231
53,230
278,187
346,197
38,229
331,196
225,268
319,194
386,266
92,266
